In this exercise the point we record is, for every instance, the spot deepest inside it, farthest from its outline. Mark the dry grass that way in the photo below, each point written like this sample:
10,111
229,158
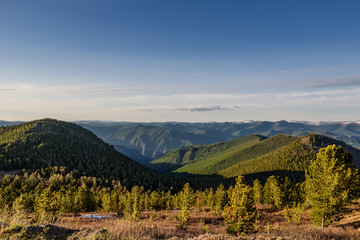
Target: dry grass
8,218
162,225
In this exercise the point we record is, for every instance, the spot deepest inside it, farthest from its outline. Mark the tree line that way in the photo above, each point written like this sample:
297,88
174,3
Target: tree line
331,183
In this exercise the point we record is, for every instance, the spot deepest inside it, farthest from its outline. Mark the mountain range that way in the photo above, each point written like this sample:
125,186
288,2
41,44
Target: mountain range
46,143
147,141
253,156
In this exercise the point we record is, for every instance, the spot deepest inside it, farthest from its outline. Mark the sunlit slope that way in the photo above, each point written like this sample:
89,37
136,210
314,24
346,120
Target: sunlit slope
47,142
292,159
222,160
210,159
146,141
192,154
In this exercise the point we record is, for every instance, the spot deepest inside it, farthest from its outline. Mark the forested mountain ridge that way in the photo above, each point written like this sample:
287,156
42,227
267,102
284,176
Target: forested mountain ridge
209,159
47,142
194,153
152,140
252,156
291,160
148,141
217,162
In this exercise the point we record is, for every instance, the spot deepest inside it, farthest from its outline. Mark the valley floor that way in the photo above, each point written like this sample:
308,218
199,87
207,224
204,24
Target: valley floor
162,225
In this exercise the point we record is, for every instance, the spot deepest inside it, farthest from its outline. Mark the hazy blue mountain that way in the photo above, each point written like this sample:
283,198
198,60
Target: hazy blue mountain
146,141
152,140
9,123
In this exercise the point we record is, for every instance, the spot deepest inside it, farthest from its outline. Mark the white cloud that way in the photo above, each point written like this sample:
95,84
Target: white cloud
105,102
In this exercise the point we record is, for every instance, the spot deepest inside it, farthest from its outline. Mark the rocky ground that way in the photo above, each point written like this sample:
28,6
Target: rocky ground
50,232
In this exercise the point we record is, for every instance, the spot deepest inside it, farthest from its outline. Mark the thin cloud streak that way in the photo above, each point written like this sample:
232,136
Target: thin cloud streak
212,108
164,106
347,81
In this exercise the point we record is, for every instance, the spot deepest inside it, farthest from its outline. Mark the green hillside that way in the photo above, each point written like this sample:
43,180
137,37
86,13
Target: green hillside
147,141
212,164
207,160
45,143
290,160
187,155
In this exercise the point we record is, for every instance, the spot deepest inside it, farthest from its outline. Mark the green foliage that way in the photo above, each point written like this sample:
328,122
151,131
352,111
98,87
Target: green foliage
241,216
70,203
207,159
84,199
22,205
204,226
47,142
107,202
133,204
332,182
291,160
273,192
258,191
221,199
186,197
47,206
298,193
216,157
294,214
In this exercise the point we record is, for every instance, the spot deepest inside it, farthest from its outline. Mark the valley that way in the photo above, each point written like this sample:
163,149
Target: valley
54,173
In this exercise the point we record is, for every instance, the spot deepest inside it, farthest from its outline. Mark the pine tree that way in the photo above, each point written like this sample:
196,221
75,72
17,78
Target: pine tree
273,192
221,199
84,199
287,189
136,203
47,206
258,191
68,203
211,199
155,201
241,216
332,181
106,202
186,200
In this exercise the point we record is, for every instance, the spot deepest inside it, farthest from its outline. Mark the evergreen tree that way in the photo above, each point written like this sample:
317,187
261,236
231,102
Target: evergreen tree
221,199
106,202
186,200
68,203
155,201
241,216
332,181
273,192
287,190
136,203
258,191
298,193
84,199
47,206
211,199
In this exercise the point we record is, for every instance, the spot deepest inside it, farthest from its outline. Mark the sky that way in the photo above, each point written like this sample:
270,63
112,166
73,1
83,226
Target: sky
180,60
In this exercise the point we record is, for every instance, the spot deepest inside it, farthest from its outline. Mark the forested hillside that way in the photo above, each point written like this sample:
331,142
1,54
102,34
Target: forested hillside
223,160
210,159
290,160
45,143
152,140
253,156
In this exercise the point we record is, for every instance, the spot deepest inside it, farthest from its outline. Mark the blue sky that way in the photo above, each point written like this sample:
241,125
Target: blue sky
180,60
